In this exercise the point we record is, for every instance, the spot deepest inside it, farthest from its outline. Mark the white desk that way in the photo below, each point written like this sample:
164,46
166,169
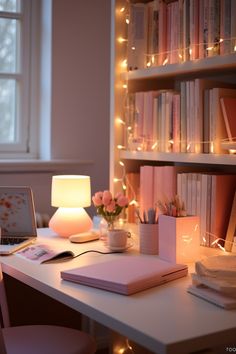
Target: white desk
165,319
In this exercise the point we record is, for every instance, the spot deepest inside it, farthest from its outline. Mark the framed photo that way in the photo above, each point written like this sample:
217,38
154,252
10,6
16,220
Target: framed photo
231,231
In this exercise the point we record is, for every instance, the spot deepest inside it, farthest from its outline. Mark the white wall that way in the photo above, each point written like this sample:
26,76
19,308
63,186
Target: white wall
79,97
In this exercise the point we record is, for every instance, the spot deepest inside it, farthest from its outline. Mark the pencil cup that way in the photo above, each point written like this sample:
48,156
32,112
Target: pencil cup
148,238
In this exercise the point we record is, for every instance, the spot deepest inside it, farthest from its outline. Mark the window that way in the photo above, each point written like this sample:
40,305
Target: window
16,89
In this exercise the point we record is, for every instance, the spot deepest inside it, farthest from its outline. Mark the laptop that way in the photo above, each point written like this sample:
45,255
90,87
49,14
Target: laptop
17,219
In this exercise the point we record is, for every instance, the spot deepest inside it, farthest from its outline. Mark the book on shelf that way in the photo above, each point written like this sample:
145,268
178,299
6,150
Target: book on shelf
225,26
153,25
146,188
137,36
170,32
210,196
132,192
231,230
222,193
213,27
218,131
228,106
126,275
162,30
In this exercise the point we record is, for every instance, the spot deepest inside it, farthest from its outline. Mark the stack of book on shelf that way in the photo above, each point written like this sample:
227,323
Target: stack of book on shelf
207,195
210,196
196,117
214,280
170,32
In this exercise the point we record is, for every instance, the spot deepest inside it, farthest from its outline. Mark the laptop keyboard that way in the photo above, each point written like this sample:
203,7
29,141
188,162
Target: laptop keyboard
12,240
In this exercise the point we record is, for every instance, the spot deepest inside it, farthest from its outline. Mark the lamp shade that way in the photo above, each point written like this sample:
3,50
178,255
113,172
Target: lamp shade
71,191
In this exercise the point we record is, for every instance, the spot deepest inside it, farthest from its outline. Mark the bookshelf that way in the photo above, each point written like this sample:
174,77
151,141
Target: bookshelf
126,157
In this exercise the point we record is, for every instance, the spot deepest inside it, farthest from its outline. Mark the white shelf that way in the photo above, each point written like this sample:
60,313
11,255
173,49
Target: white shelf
210,64
210,159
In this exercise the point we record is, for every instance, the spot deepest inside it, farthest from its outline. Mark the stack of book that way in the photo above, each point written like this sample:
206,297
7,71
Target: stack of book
215,280
170,32
195,118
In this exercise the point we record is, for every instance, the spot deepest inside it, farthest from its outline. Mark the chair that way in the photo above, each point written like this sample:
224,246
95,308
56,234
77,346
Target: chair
40,339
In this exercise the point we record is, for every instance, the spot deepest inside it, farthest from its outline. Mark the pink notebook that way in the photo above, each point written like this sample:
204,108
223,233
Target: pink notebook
126,275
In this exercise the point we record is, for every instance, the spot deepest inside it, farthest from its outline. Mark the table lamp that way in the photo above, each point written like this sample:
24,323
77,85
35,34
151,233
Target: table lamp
70,193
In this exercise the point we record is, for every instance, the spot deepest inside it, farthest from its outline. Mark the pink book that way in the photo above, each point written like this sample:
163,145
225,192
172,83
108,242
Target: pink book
139,112
228,105
146,188
126,275
162,33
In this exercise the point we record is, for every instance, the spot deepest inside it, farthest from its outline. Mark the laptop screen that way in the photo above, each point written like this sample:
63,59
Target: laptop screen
17,215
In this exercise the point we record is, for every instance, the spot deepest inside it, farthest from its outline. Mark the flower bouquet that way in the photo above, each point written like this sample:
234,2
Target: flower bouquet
109,207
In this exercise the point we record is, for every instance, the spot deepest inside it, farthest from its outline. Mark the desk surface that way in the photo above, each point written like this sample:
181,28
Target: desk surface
164,319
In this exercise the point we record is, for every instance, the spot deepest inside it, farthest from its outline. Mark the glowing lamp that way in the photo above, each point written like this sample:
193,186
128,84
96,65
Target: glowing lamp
71,194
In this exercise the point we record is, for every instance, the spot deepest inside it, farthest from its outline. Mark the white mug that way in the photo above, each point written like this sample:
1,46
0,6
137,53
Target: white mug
117,239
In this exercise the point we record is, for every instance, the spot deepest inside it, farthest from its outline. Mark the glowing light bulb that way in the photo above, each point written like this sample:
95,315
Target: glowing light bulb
120,147
165,61
124,63
120,121
121,40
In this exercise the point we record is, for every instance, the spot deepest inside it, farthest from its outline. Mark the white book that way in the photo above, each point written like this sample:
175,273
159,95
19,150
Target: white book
213,296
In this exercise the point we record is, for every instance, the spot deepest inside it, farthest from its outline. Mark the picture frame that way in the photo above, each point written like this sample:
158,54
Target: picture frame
231,231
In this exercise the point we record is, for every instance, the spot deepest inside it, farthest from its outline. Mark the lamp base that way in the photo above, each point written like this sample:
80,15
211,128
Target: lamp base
69,221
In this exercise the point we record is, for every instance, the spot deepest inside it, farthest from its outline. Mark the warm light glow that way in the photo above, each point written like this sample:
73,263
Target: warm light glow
120,147
121,40
210,48
122,163
235,48
133,47
154,145
165,61
70,193
124,63
232,151
148,64
119,120
221,40
122,9
133,202
124,86
116,180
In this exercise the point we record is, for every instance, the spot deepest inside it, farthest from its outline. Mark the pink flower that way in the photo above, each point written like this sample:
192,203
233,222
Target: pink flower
122,201
97,198
111,206
107,198
118,195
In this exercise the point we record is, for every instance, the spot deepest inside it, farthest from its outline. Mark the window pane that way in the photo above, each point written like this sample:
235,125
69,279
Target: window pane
9,5
7,111
8,44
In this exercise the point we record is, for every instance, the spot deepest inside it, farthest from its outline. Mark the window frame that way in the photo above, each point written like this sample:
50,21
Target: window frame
27,77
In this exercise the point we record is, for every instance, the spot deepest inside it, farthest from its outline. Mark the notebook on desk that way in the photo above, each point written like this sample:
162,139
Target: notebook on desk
17,219
126,274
